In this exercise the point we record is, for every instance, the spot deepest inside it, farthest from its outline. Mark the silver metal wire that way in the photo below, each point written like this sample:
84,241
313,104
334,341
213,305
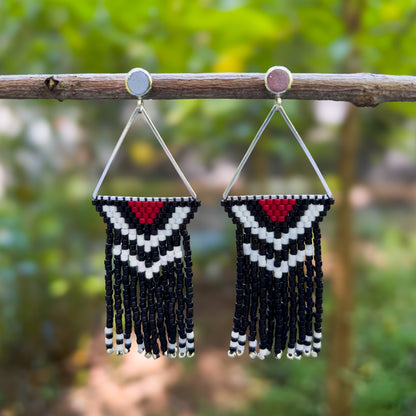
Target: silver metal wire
141,110
305,150
117,148
277,107
168,153
249,151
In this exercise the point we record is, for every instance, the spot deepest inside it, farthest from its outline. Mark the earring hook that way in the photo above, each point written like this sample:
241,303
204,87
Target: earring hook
278,79
139,83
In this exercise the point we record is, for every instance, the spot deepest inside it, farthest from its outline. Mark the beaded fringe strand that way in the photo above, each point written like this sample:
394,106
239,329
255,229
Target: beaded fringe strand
279,274
148,274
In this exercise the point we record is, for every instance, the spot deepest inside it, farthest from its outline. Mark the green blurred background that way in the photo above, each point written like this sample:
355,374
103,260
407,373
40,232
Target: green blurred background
52,355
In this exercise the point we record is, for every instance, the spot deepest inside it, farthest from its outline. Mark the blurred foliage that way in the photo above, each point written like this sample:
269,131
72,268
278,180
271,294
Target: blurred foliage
52,153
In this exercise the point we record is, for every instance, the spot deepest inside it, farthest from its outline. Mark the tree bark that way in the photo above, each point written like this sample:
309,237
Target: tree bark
360,89
339,385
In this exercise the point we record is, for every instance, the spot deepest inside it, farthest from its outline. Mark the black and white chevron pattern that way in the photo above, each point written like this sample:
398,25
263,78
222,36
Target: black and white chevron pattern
279,274
148,274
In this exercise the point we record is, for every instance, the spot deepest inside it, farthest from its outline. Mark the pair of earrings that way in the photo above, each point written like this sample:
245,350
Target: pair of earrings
148,265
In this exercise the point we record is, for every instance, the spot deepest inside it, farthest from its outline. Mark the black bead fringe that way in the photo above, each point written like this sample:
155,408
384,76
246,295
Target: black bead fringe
148,274
279,274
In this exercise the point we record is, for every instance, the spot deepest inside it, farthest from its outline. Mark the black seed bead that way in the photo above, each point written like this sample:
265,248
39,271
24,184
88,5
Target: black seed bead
318,276
284,288
293,308
301,303
269,313
263,308
254,300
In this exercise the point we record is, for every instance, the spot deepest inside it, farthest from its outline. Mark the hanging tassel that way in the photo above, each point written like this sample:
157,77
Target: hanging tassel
148,274
279,274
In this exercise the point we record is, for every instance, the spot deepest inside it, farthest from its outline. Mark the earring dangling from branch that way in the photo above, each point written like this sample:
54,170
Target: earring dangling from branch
279,266
148,266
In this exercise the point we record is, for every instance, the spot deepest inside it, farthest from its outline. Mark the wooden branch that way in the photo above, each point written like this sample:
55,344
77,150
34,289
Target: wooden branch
364,90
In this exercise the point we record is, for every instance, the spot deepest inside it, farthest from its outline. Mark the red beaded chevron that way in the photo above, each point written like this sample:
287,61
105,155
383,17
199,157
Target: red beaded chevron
277,209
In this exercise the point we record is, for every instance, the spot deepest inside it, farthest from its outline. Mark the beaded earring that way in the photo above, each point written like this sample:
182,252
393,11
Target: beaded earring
148,266
279,267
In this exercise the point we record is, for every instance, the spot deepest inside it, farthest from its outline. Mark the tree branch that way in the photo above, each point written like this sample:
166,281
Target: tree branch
363,90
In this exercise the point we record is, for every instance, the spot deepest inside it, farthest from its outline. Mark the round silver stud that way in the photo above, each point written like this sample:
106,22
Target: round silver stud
138,82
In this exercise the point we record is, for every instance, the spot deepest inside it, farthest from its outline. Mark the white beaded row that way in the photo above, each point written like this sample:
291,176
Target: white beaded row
257,197
116,218
163,260
120,349
247,219
144,198
307,348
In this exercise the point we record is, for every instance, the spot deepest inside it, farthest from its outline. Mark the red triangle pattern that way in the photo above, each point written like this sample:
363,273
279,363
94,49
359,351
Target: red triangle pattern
146,211
277,209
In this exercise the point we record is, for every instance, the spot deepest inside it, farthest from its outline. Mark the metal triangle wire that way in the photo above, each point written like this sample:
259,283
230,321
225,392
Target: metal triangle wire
276,108
141,110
